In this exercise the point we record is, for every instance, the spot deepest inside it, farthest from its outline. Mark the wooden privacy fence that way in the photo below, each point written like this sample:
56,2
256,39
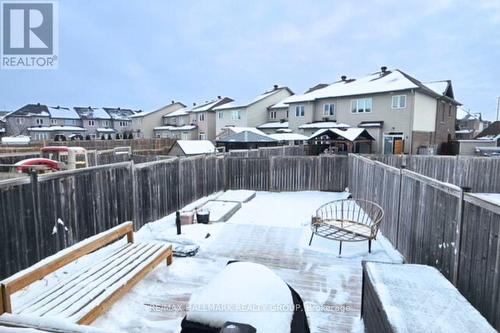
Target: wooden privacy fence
270,151
481,174
435,223
284,173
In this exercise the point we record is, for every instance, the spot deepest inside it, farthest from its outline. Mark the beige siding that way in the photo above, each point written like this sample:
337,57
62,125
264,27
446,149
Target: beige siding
424,117
146,123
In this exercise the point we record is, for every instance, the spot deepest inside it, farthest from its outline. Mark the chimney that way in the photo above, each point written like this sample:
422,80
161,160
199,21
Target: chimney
343,77
194,104
219,97
383,69
173,101
275,87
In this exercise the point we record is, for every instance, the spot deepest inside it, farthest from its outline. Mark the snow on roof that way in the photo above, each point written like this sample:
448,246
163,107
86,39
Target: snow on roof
2,130
56,128
16,139
105,130
280,105
439,87
180,112
365,124
324,124
119,113
288,136
464,114
195,147
234,104
274,124
236,129
245,283
63,113
175,128
92,113
205,107
246,136
373,83
350,134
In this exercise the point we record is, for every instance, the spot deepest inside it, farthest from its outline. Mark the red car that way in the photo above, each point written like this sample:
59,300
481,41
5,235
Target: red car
40,163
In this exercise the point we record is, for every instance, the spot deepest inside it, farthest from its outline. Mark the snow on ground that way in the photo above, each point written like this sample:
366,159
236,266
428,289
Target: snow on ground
237,195
270,210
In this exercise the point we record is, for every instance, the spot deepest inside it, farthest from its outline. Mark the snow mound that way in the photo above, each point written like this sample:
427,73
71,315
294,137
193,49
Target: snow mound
246,293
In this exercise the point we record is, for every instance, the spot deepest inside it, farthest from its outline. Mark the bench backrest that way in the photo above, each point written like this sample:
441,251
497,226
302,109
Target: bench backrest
50,264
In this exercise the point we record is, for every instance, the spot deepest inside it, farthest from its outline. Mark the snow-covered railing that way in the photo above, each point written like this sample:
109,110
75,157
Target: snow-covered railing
438,224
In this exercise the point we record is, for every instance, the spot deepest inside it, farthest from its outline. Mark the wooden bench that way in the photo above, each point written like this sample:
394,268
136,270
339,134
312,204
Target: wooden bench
86,294
415,298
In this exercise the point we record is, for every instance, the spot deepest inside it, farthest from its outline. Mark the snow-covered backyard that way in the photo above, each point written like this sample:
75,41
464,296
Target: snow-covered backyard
272,229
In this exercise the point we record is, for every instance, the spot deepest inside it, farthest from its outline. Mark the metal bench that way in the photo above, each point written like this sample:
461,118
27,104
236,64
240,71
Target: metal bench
85,295
347,220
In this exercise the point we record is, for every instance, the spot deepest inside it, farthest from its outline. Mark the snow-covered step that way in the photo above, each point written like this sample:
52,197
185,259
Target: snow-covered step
237,196
221,211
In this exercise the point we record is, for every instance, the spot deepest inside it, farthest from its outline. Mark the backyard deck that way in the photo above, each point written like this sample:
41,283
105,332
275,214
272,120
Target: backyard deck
329,285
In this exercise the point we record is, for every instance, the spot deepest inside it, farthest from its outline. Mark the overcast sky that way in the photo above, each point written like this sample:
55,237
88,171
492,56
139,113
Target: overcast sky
143,54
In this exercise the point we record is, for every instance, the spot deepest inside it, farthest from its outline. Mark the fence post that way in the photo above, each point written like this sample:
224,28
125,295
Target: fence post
458,242
135,199
36,211
270,177
403,167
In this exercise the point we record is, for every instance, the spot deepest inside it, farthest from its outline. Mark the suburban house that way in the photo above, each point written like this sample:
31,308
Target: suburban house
250,113
192,147
492,132
196,122
96,121
2,127
469,124
43,122
401,113
144,123
121,121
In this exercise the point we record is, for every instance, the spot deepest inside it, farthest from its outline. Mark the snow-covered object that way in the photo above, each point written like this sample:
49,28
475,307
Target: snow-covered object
288,137
246,293
63,113
175,128
235,129
237,196
93,113
234,105
350,134
418,298
493,198
195,147
274,124
373,83
105,130
176,113
56,128
16,140
324,124
439,87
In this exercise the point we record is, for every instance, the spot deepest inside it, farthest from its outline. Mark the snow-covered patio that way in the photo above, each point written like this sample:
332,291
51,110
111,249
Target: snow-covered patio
272,229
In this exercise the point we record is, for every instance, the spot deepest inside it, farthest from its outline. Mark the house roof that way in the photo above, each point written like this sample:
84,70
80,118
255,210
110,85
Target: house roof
379,82
465,114
62,113
246,136
244,104
146,113
235,129
56,128
350,134
91,112
31,110
371,124
119,113
180,112
323,124
288,137
175,128
490,132
212,105
274,124
195,147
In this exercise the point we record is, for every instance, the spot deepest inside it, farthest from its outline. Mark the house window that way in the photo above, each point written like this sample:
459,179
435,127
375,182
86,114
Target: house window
202,136
220,114
53,121
184,136
329,109
123,123
91,123
399,102
19,121
235,115
105,123
272,114
39,121
299,111
287,112
201,117
361,105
